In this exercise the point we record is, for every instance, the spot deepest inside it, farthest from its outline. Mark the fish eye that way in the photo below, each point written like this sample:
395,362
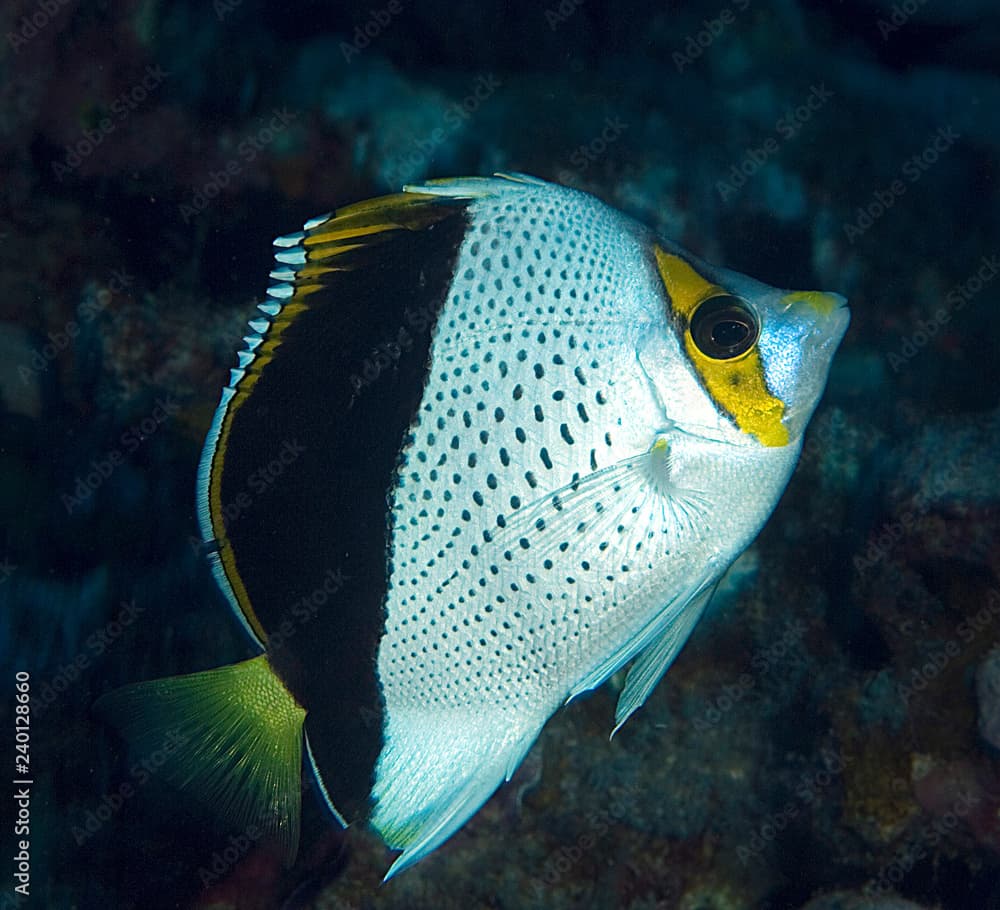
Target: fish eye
724,327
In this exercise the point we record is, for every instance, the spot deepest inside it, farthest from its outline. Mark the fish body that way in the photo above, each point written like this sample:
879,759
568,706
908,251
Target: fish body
531,438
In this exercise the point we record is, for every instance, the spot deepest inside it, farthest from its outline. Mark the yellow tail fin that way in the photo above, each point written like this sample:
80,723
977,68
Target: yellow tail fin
241,736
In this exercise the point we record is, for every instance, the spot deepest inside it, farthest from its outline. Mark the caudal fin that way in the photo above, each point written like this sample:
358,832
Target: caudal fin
237,736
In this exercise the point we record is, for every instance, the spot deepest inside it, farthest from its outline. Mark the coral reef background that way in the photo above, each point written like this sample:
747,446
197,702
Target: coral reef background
830,738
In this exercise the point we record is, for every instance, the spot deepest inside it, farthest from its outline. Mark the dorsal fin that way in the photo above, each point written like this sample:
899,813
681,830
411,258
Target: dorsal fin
476,187
343,240
303,451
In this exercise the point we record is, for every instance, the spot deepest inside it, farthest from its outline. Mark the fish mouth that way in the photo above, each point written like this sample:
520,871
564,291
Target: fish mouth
833,327
824,319
826,314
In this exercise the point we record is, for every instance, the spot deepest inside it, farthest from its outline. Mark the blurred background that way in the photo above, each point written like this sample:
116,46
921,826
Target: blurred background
830,737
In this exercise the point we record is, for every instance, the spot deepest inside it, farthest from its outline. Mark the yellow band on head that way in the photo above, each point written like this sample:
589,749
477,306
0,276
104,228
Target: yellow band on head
737,386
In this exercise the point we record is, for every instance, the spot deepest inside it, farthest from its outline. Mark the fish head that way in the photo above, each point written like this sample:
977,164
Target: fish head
760,355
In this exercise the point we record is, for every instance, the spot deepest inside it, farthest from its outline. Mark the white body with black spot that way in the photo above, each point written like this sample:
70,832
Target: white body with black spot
571,491
584,428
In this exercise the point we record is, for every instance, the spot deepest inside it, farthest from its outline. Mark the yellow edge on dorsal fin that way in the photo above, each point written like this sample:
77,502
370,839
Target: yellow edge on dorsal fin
340,241
398,210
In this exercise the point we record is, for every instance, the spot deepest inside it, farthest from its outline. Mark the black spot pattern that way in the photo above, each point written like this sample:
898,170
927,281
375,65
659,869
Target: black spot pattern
490,594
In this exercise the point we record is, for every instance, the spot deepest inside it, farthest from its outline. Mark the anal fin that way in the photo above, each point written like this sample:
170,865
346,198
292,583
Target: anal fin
420,804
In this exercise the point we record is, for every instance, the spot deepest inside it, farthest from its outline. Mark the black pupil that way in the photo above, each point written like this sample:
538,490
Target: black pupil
724,327
728,333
